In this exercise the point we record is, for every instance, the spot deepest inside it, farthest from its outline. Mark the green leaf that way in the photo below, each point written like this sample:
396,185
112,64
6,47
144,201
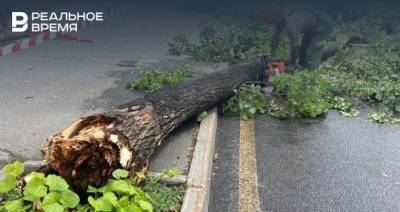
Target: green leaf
53,207
136,208
123,201
69,199
56,183
84,208
35,192
8,183
120,174
100,204
129,208
35,178
52,197
397,106
146,206
172,172
14,205
140,194
92,202
92,189
120,186
104,188
14,169
111,197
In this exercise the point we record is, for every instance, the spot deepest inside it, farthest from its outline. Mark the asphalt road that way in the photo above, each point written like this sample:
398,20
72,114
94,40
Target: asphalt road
225,178
48,86
327,164
332,164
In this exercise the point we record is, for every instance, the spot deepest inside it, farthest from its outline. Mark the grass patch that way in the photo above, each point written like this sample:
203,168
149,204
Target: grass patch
165,198
153,80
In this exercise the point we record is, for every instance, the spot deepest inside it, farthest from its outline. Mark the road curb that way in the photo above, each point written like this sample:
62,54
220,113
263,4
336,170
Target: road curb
196,197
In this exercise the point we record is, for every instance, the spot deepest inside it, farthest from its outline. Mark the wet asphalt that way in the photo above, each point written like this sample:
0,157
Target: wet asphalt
327,164
225,179
48,86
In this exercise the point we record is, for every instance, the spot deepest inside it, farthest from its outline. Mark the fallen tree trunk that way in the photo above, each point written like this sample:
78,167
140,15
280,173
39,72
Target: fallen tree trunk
89,150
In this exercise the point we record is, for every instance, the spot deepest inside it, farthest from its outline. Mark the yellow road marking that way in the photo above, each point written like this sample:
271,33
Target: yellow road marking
248,183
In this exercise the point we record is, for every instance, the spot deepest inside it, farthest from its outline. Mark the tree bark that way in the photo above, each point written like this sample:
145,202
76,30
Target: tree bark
89,150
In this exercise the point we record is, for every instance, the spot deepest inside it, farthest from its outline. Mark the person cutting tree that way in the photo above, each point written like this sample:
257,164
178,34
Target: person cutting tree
304,29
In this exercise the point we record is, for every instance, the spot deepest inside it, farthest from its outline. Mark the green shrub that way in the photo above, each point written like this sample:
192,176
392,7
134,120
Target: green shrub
383,116
52,193
306,93
231,43
246,102
119,194
154,80
180,45
46,193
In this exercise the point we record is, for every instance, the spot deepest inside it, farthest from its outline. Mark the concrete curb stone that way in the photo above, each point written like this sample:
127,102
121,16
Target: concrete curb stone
196,198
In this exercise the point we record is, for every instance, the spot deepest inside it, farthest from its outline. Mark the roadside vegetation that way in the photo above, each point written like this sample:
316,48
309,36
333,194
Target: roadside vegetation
123,192
153,80
364,74
231,43
351,77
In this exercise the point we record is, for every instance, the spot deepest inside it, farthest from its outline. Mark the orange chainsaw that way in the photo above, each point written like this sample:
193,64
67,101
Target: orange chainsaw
271,68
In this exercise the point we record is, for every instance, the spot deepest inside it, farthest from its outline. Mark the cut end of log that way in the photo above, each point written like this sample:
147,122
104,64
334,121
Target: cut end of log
87,152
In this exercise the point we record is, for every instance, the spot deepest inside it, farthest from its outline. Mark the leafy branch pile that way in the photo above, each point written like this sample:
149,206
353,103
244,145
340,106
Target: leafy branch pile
154,80
300,95
352,75
367,75
307,95
231,43
361,73
51,193
247,101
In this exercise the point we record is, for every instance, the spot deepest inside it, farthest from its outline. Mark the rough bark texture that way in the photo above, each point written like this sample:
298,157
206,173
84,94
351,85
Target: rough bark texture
89,150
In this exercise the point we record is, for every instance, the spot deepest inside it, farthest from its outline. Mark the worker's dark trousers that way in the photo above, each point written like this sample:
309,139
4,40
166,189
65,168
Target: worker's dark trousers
310,51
